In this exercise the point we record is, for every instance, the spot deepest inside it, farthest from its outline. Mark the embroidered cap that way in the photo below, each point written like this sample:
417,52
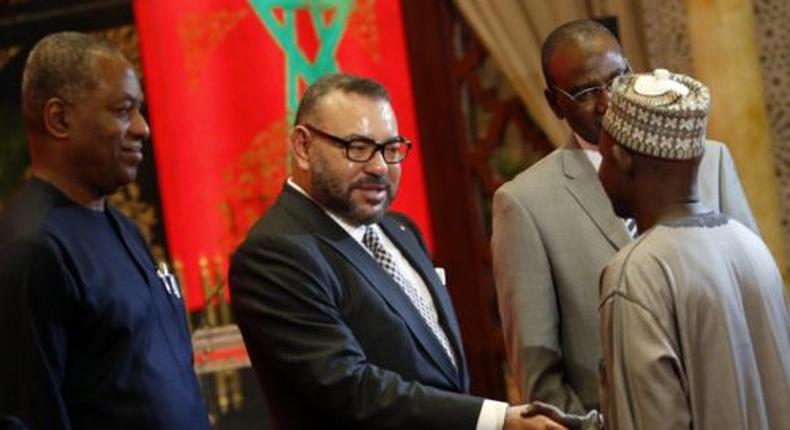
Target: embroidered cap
660,114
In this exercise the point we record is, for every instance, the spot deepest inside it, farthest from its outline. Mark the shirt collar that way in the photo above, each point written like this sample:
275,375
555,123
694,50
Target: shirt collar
591,151
587,146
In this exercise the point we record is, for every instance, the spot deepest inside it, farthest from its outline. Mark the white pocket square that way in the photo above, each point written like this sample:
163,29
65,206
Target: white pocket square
441,275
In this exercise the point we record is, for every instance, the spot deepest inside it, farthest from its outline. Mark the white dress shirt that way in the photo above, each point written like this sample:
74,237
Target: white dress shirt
591,151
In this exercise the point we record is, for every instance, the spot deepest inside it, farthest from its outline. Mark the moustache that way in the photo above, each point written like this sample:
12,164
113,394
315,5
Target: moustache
372,180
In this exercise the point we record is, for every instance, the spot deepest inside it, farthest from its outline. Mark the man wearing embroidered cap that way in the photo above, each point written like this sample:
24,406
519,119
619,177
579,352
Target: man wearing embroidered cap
554,230
695,326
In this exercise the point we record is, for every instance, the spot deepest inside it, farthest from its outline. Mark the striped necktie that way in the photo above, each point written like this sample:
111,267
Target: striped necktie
373,242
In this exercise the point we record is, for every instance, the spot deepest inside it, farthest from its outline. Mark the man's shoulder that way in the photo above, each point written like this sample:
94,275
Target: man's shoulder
640,263
642,250
26,214
543,175
715,145
714,151
401,220
274,222
279,229
35,251
649,274
403,223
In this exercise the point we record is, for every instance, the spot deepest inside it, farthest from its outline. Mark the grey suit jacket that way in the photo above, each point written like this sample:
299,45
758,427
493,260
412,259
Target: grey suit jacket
554,230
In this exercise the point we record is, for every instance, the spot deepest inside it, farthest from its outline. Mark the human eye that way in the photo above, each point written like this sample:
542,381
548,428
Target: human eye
394,149
587,94
610,83
124,110
360,149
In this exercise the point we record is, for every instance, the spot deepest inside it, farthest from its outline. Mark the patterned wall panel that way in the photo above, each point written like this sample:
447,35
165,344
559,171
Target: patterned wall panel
666,35
772,20
500,141
667,45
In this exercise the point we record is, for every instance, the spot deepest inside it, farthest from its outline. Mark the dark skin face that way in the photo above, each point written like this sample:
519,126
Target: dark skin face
615,174
646,188
109,128
576,65
96,140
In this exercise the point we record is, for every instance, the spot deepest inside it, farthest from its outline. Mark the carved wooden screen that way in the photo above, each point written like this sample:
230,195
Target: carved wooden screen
475,134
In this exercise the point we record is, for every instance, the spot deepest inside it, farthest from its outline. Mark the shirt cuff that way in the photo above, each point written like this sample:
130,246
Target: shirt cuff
492,415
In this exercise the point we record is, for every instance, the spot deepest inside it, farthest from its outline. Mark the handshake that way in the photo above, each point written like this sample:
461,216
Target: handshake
542,416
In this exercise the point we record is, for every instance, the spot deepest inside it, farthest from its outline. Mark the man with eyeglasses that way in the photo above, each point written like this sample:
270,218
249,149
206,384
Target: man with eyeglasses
554,229
346,321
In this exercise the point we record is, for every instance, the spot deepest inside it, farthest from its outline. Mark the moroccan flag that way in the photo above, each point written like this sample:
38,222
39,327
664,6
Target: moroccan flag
223,79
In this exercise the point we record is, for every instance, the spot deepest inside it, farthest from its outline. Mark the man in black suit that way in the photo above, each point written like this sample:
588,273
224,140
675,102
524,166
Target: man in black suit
346,321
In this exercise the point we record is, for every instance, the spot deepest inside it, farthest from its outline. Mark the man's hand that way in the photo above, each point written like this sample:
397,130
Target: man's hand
516,420
570,421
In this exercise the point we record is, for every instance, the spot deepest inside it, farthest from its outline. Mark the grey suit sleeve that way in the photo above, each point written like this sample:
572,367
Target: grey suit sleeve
733,199
528,306
288,308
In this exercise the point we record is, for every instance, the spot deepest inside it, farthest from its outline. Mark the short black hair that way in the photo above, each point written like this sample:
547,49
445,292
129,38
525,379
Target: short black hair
340,82
59,65
574,30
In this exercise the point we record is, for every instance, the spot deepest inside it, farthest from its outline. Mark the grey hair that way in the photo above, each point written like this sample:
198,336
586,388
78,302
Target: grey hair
59,65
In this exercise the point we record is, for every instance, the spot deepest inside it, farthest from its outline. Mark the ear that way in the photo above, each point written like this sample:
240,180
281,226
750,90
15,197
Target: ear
623,159
301,146
55,118
551,99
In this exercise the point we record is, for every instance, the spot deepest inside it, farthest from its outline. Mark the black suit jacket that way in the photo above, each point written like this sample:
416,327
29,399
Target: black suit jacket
333,340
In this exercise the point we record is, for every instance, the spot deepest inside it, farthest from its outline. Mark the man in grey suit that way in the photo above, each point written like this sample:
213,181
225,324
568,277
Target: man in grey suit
554,229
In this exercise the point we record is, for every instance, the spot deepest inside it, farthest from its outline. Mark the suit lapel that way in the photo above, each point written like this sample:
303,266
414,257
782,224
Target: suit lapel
402,237
329,231
583,184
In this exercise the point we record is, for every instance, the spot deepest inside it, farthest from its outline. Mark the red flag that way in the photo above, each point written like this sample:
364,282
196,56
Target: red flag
223,78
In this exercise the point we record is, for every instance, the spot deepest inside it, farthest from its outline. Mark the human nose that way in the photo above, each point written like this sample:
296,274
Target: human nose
602,101
139,127
377,164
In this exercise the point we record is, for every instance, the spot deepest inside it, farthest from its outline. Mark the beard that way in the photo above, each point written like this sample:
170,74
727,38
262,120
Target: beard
329,191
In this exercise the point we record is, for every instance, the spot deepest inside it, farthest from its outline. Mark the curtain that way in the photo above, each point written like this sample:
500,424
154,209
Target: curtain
513,31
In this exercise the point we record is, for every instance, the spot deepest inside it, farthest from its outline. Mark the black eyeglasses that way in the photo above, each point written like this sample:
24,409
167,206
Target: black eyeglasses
362,149
591,94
